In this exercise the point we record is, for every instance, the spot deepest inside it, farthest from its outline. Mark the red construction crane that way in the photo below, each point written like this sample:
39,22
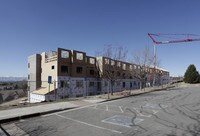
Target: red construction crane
186,39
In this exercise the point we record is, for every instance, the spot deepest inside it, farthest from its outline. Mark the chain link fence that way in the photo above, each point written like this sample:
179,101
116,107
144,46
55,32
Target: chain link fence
37,91
41,91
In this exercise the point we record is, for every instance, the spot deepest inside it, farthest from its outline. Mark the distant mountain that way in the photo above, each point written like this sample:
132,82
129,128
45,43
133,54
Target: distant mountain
7,79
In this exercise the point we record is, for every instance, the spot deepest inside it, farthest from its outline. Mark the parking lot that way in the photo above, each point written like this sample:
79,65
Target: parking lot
168,112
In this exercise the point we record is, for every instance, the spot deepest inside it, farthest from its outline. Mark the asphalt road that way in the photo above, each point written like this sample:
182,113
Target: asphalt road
163,113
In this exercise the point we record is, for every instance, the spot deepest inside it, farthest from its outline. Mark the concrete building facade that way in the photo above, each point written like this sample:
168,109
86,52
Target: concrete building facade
74,74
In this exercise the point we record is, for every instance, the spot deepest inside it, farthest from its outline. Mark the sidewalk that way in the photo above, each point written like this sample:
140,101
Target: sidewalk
26,112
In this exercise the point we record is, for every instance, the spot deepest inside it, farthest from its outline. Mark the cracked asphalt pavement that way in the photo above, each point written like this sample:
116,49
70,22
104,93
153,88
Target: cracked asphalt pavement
174,112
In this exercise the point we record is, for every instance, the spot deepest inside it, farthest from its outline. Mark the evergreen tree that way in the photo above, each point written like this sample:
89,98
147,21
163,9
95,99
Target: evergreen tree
191,75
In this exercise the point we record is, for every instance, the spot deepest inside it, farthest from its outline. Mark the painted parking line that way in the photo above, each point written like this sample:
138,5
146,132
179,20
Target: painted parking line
81,107
91,125
144,113
122,120
121,109
105,110
149,110
112,108
140,113
154,106
108,108
154,111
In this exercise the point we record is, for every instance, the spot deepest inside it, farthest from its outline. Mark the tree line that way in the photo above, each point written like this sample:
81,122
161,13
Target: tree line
142,58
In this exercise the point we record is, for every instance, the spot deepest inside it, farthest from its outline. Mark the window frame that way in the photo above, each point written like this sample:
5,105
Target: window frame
92,73
64,54
79,71
124,84
124,66
65,71
91,84
79,56
91,60
64,84
79,83
112,62
106,61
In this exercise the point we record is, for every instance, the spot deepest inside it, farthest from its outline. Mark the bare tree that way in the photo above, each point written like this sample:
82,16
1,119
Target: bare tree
109,64
144,61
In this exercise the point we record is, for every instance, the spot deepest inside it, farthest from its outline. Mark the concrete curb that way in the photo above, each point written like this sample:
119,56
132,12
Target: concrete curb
138,94
32,115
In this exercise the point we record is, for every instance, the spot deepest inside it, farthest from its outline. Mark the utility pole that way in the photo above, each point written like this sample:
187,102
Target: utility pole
55,89
49,81
29,91
154,74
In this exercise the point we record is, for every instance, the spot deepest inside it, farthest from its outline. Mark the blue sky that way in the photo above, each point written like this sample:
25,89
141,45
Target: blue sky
33,26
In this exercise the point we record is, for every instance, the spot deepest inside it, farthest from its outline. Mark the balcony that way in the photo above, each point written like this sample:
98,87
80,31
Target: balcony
51,56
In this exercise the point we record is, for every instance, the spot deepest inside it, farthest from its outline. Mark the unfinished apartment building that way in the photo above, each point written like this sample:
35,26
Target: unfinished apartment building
75,74
118,72
69,71
124,75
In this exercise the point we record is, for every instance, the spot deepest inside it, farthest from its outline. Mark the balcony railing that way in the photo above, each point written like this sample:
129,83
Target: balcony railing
50,59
